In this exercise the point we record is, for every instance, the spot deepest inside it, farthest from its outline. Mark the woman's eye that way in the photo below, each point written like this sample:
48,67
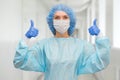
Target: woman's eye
61,17
56,17
66,17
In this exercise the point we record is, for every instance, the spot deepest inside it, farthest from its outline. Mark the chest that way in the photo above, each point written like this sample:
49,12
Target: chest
63,52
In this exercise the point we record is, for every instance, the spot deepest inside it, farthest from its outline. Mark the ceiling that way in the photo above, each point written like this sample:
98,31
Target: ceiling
74,4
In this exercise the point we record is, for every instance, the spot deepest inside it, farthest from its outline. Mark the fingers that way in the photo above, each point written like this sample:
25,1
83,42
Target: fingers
35,33
91,30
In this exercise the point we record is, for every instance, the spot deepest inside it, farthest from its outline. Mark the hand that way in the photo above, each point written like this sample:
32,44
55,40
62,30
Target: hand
94,30
32,32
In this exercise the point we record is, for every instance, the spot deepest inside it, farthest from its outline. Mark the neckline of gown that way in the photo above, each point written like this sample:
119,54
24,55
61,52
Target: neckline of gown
62,37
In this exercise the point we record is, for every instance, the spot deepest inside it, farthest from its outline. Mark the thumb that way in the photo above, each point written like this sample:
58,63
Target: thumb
31,24
94,22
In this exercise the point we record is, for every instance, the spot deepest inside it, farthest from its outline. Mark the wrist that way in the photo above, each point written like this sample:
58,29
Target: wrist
100,35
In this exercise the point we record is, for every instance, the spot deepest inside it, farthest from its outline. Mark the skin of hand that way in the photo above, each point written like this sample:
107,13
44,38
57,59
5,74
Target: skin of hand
94,30
32,32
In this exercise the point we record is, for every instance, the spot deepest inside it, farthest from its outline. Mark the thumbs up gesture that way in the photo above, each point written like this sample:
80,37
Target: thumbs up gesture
32,32
94,30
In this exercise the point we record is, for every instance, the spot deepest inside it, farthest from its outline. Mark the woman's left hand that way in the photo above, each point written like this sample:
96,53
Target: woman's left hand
94,30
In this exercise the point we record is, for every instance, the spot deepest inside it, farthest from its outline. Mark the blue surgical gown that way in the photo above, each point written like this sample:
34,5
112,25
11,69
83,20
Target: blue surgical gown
63,58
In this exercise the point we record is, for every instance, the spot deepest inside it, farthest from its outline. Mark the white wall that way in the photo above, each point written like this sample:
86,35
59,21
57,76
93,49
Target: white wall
10,33
116,23
109,19
10,20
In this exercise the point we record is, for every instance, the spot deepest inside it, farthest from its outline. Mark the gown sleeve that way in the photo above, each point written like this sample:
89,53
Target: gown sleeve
30,59
94,58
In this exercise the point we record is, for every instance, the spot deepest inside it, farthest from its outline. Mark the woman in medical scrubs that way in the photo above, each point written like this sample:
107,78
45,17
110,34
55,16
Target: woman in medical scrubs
63,57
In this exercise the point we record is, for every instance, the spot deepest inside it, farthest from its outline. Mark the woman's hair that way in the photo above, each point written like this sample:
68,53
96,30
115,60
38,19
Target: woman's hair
69,11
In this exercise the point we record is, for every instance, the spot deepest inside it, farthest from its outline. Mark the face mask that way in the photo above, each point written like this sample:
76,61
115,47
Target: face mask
61,25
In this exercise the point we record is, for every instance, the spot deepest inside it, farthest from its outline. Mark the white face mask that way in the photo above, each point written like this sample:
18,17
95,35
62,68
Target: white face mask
61,25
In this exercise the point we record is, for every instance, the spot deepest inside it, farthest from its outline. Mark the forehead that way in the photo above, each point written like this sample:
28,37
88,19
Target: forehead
60,13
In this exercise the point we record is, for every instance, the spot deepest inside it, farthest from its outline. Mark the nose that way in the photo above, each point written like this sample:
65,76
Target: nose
61,18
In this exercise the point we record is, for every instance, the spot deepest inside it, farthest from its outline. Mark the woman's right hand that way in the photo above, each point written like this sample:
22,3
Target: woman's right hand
32,32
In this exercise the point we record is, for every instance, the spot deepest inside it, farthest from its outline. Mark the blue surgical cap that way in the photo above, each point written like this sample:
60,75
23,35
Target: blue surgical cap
69,11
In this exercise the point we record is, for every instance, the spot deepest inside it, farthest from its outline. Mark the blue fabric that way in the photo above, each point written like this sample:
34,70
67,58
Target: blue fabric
63,58
69,11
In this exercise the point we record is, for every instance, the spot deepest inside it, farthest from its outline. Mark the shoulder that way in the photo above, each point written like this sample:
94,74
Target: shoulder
44,41
101,39
80,40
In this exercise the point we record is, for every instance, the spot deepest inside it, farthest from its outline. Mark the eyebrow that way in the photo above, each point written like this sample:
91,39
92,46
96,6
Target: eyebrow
66,16
58,16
